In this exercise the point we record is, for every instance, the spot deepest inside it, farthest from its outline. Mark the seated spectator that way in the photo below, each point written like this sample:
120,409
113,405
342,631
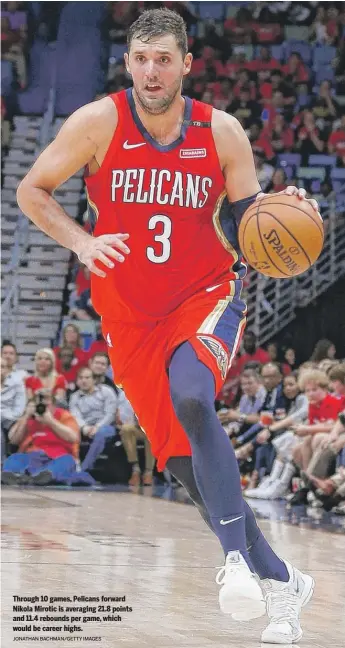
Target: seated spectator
336,141
131,433
48,440
274,353
45,375
281,135
324,107
244,80
252,353
323,412
278,182
71,337
309,138
12,45
330,490
251,402
290,358
283,439
13,401
99,364
68,367
98,345
239,29
94,408
265,63
336,377
264,171
84,309
295,70
10,355
244,108
323,349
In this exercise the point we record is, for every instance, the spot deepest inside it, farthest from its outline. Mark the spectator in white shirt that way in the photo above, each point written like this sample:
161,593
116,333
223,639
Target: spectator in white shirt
10,355
13,401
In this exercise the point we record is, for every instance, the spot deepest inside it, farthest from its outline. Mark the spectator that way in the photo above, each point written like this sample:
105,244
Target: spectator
283,439
244,108
336,141
84,309
290,358
46,376
295,71
265,63
264,171
336,377
13,401
278,182
323,349
309,139
71,336
98,345
281,136
48,439
131,433
323,411
10,355
324,108
274,353
69,367
12,43
251,402
252,352
94,407
99,365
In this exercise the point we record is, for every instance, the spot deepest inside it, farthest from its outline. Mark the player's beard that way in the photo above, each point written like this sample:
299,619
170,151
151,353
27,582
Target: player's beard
160,105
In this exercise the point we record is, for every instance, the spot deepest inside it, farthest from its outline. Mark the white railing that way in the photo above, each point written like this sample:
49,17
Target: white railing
272,302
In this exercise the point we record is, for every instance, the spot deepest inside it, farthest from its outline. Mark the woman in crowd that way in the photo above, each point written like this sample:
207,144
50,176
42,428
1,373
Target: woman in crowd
323,349
71,337
46,376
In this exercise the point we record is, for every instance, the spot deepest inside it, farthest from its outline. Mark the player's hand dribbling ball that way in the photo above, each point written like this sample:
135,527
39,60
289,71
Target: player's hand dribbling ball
281,235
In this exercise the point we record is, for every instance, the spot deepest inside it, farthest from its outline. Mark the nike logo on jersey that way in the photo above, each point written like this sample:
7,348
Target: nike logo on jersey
223,522
131,146
213,288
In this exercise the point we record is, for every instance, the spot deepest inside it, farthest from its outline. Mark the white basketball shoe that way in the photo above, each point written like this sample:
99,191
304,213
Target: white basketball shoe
240,594
284,602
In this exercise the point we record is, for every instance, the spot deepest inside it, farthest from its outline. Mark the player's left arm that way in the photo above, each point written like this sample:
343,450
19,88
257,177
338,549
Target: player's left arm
237,163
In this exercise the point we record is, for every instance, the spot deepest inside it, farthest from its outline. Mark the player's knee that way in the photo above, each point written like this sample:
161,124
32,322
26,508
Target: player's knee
191,410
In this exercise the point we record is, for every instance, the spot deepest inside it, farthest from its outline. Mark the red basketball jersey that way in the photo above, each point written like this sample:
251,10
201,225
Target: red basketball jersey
171,201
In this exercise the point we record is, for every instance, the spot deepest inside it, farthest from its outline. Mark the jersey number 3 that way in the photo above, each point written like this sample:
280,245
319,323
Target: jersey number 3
163,239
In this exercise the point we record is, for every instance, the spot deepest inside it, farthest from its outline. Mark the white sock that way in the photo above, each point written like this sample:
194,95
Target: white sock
277,469
287,474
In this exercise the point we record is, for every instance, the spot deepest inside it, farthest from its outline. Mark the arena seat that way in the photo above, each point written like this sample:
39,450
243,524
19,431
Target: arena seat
313,173
322,160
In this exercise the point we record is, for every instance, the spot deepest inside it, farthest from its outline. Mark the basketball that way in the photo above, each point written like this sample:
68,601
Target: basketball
281,236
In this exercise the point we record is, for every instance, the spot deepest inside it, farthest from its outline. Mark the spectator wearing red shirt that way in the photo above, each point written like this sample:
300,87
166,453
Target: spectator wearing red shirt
278,182
281,136
336,141
82,280
48,440
323,412
245,80
295,71
252,353
46,376
71,336
69,366
264,63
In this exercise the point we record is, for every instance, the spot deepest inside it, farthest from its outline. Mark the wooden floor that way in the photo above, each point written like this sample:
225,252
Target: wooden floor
162,557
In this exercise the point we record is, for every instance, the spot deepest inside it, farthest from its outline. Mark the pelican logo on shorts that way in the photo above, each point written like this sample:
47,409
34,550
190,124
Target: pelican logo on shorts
218,351
193,153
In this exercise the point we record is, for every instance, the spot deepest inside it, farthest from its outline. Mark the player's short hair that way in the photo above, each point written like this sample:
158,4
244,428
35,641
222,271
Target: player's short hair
314,376
159,22
337,372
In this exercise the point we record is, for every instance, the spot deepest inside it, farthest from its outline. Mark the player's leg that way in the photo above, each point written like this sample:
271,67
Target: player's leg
192,388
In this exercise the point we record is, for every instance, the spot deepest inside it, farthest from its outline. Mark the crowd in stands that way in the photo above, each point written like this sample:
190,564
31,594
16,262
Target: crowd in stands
286,422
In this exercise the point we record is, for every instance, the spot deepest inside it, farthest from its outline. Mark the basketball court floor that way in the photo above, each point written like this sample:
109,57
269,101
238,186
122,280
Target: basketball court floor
159,555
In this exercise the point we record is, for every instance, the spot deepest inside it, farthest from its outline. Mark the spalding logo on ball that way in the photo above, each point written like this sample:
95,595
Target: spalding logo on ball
281,236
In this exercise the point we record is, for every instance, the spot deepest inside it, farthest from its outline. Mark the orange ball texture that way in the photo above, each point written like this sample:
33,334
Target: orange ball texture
281,236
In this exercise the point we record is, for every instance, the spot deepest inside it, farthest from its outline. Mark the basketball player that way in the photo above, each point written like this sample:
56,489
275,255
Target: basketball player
168,180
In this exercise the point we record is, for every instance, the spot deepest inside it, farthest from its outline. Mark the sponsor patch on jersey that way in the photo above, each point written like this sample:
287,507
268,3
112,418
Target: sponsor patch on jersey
218,351
193,153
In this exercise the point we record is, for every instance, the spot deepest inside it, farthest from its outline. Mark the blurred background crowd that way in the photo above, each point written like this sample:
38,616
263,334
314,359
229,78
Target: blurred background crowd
279,67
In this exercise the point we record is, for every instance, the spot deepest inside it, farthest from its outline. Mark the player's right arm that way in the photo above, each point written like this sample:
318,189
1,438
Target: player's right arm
82,140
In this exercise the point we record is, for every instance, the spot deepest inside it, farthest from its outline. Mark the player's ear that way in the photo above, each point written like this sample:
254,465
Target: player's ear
187,64
126,57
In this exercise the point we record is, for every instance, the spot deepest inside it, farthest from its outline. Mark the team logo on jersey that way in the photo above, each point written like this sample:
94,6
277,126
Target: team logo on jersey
193,153
218,351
